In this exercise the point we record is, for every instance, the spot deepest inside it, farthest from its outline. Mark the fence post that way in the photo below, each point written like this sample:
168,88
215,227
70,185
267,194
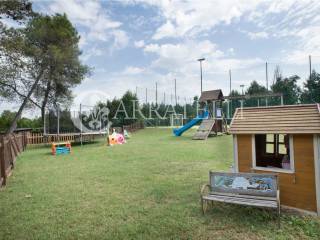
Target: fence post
25,141
2,164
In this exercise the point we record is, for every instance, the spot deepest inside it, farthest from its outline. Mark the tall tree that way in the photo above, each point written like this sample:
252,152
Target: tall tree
21,68
277,74
311,91
17,10
289,88
65,70
46,50
254,89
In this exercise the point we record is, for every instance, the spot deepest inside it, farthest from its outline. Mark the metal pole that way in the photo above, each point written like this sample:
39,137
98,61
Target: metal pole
267,75
310,66
80,117
267,82
100,119
156,94
201,74
146,95
44,122
200,60
175,90
58,122
230,82
164,98
228,110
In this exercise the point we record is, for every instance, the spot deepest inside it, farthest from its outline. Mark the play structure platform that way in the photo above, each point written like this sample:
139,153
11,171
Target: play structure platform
212,119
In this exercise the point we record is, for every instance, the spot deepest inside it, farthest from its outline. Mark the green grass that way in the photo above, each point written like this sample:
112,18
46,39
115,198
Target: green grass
145,189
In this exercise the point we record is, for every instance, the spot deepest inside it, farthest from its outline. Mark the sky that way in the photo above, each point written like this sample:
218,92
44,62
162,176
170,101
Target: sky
134,44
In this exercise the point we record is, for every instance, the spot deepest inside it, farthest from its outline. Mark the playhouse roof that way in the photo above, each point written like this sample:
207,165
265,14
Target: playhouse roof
212,95
277,119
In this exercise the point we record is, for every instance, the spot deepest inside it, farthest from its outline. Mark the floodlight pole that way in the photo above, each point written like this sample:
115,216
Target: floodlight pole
200,61
156,94
228,103
175,90
267,84
310,66
229,82
100,119
58,122
146,95
80,117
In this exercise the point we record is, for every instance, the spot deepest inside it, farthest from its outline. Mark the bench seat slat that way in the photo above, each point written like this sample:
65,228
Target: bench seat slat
244,196
242,201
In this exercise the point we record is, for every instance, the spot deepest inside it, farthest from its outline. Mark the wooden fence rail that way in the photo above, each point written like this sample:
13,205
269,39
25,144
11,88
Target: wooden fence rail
134,126
39,138
11,146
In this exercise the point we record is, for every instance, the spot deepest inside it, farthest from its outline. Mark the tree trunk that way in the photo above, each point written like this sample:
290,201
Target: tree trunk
13,125
45,100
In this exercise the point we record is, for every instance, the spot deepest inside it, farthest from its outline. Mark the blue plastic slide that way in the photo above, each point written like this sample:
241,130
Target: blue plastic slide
178,131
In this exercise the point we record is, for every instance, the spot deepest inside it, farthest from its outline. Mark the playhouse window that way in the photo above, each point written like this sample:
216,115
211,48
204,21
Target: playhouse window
273,151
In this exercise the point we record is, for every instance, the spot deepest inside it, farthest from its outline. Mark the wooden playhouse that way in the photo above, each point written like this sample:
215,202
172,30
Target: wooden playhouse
283,140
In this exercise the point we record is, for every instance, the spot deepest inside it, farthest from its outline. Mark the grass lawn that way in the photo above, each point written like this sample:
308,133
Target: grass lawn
145,189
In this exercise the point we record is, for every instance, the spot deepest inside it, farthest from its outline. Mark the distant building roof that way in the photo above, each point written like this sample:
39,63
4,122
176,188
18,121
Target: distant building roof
277,119
212,95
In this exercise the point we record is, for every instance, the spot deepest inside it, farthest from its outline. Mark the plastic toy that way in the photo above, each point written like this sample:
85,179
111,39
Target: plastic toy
61,148
126,134
116,138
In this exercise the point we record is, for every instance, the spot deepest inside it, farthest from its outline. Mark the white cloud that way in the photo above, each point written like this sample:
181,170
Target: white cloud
231,51
139,44
165,30
92,52
184,18
92,16
180,61
86,13
120,39
257,35
187,50
132,70
295,22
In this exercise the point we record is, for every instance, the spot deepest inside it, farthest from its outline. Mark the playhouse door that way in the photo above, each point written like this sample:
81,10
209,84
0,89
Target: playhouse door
318,147
318,187
317,171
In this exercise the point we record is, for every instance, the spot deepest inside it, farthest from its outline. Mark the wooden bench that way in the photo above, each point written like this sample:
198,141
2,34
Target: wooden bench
249,189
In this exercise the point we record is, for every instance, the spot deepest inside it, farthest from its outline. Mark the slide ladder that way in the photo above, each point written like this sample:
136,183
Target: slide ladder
204,130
